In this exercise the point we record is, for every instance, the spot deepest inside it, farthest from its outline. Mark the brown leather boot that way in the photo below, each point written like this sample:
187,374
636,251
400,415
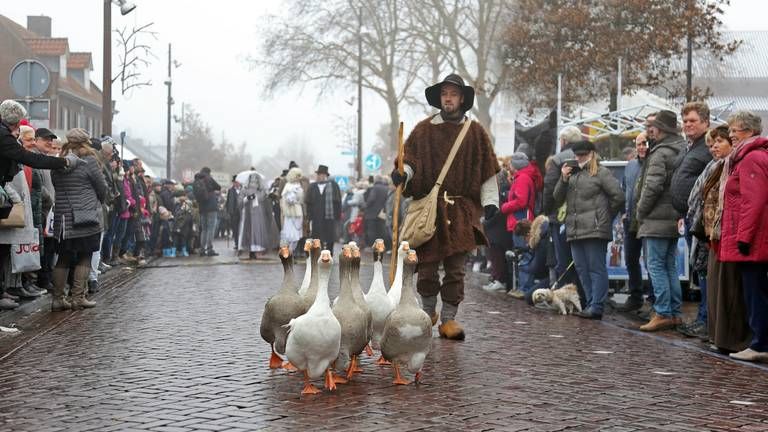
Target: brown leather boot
658,322
451,330
79,288
59,302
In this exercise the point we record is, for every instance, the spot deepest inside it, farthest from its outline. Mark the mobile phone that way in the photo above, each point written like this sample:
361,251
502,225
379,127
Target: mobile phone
573,163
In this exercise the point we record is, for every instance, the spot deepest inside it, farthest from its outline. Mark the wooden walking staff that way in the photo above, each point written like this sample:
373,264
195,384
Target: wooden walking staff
396,212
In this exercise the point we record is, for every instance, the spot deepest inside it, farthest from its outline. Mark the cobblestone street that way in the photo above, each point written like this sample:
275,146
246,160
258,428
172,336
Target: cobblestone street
176,347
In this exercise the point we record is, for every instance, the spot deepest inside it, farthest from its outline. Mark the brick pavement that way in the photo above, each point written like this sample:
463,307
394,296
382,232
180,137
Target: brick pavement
178,349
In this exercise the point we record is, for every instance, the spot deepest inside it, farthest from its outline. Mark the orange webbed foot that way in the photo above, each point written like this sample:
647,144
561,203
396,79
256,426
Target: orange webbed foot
309,389
330,384
369,350
275,362
383,362
399,380
338,379
289,367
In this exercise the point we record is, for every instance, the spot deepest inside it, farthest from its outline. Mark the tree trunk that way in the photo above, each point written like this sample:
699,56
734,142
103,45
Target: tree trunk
483,111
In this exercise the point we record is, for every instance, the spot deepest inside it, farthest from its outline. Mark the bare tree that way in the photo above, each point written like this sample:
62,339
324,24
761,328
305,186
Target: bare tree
135,56
467,36
317,42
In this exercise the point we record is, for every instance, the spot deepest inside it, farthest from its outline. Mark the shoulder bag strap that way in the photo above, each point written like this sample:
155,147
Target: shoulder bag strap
454,150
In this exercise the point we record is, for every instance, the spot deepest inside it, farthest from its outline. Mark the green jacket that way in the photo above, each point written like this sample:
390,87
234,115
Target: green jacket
592,203
656,217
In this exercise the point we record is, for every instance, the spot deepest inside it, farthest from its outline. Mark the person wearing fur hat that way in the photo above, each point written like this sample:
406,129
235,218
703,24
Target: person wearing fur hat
468,192
80,193
291,206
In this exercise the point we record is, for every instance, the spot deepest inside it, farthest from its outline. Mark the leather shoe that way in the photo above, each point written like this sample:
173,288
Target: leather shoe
8,304
587,314
658,322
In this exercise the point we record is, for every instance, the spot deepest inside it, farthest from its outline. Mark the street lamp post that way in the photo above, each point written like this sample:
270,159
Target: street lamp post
106,88
359,160
169,83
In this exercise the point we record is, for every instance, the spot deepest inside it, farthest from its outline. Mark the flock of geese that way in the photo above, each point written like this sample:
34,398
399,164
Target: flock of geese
317,336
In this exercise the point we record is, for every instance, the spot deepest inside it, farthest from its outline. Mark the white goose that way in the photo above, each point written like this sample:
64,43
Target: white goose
378,302
308,268
397,284
353,318
314,338
407,336
280,309
314,256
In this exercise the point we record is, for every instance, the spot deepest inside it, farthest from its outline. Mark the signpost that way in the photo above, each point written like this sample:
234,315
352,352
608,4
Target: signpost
342,181
373,162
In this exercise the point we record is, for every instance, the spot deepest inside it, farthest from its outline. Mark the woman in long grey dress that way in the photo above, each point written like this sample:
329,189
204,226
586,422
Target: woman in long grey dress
258,229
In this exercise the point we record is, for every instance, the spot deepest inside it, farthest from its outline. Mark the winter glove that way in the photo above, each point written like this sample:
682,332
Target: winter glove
397,178
73,160
490,211
743,248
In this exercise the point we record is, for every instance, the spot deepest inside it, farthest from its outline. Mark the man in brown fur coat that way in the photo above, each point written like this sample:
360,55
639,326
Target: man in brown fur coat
468,192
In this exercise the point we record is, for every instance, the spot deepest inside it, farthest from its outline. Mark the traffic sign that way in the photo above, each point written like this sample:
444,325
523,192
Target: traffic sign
29,78
373,162
342,181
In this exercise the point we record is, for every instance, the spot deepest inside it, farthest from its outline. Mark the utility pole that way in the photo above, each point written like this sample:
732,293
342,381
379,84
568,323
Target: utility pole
168,132
106,83
359,160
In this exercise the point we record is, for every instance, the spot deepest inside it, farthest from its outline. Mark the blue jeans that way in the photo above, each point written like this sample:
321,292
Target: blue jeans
208,222
589,260
661,258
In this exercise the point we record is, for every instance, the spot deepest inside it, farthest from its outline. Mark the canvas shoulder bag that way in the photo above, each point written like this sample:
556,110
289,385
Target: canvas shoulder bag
420,219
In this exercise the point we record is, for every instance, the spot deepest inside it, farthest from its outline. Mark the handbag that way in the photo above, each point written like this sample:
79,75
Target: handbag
15,218
419,225
84,217
26,257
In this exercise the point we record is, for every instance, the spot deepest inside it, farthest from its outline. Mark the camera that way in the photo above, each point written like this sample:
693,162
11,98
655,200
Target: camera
574,164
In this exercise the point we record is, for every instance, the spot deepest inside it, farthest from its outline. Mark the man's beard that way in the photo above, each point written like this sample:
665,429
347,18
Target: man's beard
454,114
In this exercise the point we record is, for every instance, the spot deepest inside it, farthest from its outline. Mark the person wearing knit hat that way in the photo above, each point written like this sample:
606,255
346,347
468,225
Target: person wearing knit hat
77,221
518,161
525,183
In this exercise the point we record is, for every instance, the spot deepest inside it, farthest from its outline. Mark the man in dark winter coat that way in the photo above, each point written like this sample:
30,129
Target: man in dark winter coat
206,191
694,157
232,207
374,215
468,192
689,165
324,208
657,221
633,246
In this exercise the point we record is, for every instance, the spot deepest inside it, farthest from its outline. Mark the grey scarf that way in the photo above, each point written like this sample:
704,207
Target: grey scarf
328,194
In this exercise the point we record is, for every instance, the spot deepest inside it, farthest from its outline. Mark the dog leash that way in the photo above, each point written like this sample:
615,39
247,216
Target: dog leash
562,275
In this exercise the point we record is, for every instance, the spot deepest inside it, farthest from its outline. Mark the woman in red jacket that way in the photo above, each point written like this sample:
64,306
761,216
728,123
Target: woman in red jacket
525,181
744,224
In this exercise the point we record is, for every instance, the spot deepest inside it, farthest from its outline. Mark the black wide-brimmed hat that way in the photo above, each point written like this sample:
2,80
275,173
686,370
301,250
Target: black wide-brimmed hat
322,169
433,92
666,121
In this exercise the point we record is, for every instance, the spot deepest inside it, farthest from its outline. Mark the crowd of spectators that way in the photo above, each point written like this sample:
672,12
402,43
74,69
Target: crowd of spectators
707,184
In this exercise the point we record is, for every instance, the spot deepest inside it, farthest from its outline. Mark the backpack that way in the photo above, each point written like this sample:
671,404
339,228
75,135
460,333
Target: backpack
200,189
538,203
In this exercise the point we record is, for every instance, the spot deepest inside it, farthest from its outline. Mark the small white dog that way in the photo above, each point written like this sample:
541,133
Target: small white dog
566,299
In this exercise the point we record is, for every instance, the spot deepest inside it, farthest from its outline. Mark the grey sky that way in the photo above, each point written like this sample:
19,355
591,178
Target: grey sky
210,40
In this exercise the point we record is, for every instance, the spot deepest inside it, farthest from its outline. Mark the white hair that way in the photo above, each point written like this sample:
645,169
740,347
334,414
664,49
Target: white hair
24,130
570,134
11,112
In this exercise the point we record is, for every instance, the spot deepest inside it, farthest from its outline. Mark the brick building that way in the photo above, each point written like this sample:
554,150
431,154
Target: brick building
72,99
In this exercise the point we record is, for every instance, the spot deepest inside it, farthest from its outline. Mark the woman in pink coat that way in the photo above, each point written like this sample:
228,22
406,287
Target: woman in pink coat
744,224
